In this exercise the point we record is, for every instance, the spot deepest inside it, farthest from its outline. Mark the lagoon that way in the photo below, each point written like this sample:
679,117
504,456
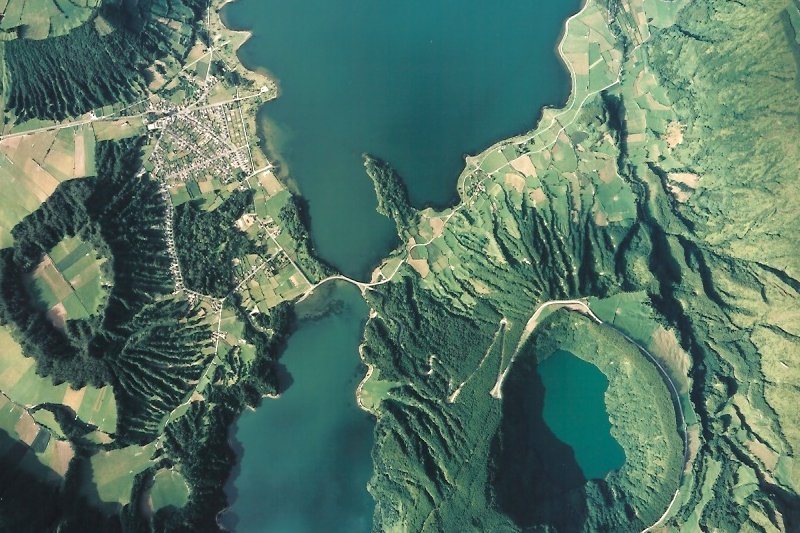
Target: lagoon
418,83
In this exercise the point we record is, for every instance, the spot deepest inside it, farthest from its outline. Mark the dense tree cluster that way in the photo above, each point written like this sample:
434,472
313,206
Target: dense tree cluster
207,242
83,70
392,194
231,77
45,74
294,219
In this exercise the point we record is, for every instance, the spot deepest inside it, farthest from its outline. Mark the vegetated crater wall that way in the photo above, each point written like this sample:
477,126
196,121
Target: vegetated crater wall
535,477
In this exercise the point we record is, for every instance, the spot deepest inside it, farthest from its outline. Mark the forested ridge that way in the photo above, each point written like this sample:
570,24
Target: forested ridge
83,70
141,342
392,195
207,242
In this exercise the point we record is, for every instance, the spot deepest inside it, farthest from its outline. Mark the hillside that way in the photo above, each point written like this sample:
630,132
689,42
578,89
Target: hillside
661,198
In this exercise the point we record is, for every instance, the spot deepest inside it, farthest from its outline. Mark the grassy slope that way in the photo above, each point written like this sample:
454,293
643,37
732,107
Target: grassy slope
735,243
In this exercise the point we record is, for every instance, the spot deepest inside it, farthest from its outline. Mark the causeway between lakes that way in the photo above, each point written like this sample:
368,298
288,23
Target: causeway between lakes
420,84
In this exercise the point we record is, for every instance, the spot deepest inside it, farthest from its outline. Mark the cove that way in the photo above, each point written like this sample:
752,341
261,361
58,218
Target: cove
305,457
418,83
575,410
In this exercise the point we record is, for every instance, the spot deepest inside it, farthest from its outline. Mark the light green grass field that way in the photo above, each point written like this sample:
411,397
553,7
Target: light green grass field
112,473
169,489
69,281
20,383
43,18
118,129
374,391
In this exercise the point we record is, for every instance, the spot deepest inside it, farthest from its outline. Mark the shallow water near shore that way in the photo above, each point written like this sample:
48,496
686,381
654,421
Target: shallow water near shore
305,457
417,83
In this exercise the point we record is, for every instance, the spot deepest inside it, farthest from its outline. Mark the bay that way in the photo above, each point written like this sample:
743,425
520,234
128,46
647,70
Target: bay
418,83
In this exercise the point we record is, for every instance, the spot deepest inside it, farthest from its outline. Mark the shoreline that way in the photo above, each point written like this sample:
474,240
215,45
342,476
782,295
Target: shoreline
267,78
257,75
360,388
568,104
370,369
246,35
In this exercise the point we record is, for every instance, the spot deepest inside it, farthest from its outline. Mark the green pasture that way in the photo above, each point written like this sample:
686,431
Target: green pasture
19,382
110,473
169,490
41,19
375,390
71,277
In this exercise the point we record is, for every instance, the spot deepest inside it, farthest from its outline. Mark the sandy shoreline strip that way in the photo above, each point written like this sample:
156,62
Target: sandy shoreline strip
370,369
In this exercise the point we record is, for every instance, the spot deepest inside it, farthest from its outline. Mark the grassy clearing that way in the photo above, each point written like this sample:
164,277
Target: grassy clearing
70,282
19,381
114,130
112,472
169,490
374,390
632,314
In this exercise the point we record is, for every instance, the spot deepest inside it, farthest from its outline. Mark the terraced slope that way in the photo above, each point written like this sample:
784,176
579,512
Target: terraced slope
663,193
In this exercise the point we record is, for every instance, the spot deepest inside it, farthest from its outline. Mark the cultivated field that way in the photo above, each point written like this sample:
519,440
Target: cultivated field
40,19
43,453
32,166
20,383
69,281
109,474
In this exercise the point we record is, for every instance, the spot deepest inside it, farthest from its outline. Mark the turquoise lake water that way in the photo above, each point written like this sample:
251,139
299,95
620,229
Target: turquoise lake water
575,411
418,83
306,459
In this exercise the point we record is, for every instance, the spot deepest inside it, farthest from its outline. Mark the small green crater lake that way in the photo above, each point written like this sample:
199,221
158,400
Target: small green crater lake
575,411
